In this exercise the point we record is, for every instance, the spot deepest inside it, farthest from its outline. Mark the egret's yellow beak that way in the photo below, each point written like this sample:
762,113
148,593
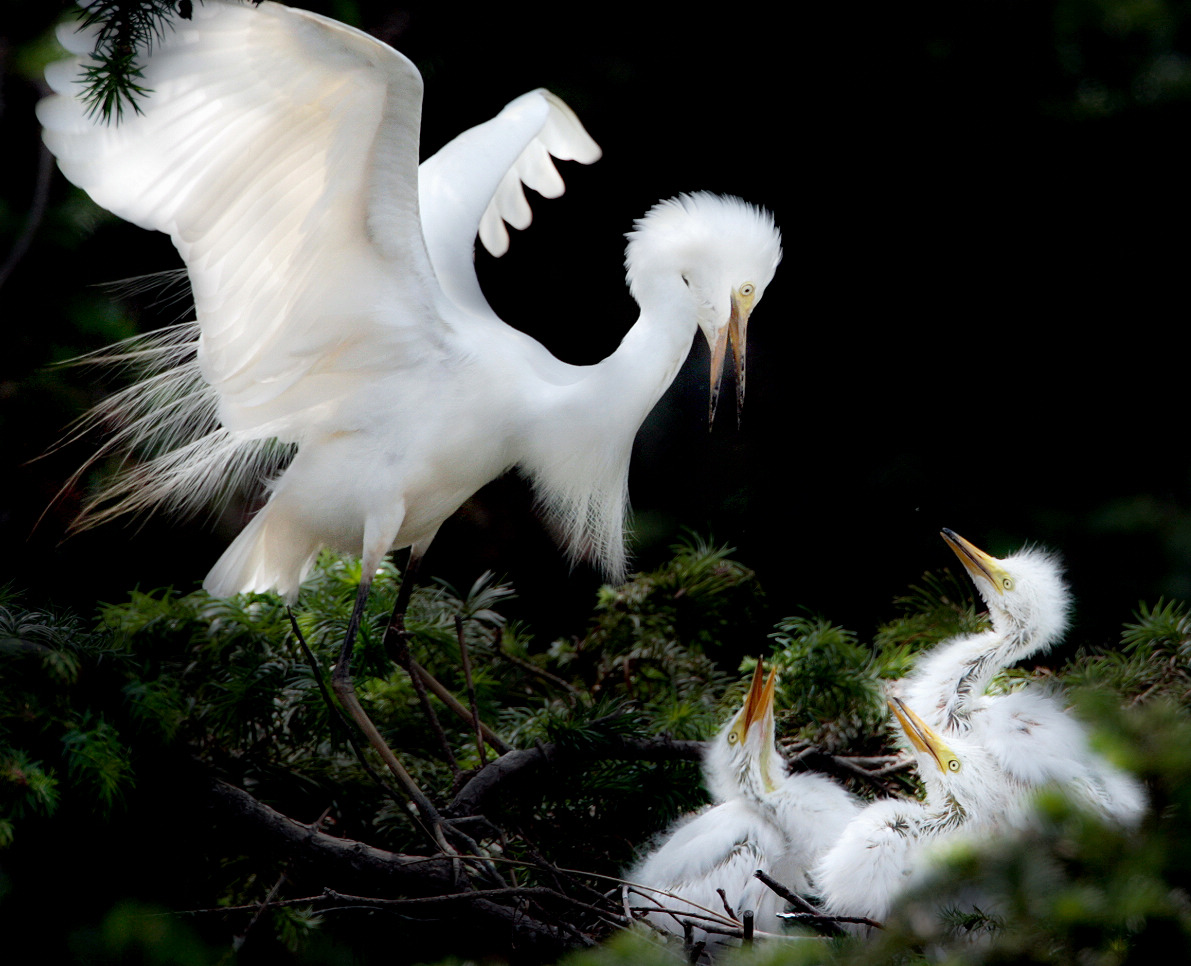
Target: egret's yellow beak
758,703
736,332
977,562
922,737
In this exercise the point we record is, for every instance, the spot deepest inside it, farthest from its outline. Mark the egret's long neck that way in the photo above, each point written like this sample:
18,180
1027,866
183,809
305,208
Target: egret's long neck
577,439
632,379
956,675
948,679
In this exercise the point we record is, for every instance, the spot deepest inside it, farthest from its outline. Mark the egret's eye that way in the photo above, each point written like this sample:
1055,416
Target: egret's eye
953,764
747,289
732,739
1007,583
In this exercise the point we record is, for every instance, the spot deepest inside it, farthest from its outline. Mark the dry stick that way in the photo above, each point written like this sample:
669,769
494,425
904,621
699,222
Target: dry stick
520,892
341,683
706,915
335,711
793,898
532,668
471,690
238,941
727,908
397,638
809,914
823,922
746,919
342,900
347,696
355,744
494,740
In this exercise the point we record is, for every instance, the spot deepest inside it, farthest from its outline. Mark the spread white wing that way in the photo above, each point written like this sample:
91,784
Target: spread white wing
279,151
473,185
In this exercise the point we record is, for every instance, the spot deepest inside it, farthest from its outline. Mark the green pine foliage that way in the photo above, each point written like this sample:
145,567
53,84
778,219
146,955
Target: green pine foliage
830,684
113,75
53,744
95,723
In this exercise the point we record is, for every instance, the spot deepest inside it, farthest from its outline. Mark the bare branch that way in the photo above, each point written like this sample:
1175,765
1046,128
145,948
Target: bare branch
515,770
364,868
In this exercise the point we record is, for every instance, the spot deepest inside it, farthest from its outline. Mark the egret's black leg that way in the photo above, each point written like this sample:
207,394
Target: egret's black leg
409,579
341,682
396,644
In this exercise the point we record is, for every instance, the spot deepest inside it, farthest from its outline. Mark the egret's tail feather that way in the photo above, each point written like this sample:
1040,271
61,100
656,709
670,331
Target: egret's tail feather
266,556
165,433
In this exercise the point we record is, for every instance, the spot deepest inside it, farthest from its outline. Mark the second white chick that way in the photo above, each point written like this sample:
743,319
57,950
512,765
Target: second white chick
766,819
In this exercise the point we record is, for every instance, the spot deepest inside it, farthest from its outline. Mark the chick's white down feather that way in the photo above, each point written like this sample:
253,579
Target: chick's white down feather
343,355
892,842
765,819
1033,737
1006,746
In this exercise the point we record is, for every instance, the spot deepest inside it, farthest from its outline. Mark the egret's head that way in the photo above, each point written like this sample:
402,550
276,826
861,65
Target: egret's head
725,251
961,779
743,759
1025,594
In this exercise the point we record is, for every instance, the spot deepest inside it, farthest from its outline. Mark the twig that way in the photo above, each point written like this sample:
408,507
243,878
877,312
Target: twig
514,769
518,892
821,920
336,713
808,914
724,900
238,940
331,859
399,638
534,669
494,740
791,897
471,690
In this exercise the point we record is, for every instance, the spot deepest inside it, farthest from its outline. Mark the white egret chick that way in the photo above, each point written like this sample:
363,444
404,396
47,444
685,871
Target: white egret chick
879,852
766,819
1028,604
1031,734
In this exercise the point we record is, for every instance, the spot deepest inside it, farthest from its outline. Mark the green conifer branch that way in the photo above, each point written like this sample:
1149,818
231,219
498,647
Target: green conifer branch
127,29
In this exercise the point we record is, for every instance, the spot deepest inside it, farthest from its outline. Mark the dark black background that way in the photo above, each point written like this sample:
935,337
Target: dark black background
977,323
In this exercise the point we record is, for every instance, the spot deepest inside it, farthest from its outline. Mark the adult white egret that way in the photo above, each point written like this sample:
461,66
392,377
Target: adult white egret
1033,737
877,855
765,819
279,150
337,309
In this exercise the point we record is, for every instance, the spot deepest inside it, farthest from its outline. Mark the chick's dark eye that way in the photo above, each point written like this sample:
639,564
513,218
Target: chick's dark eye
686,281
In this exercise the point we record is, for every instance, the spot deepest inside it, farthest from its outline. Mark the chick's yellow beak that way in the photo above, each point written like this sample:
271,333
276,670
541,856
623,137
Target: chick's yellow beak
758,703
923,737
977,562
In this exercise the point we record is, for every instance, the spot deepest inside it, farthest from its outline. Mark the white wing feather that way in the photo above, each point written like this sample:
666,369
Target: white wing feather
279,151
718,848
473,185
